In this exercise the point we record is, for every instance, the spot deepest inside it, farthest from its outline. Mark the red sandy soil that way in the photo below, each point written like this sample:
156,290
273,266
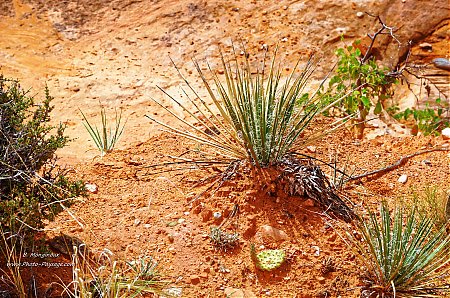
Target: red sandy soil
116,53
131,212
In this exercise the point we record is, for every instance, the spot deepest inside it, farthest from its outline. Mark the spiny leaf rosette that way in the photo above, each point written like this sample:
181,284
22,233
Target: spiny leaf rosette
258,120
404,255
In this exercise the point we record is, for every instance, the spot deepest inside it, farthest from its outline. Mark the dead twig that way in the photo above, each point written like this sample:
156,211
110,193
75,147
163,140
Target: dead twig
374,36
393,166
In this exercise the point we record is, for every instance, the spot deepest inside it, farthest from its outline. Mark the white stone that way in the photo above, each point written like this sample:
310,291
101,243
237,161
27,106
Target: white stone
359,14
403,178
92,188
316,250
426,45
446,133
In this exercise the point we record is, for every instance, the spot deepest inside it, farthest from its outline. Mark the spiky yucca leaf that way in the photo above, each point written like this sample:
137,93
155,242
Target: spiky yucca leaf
405,256
106,138
261,116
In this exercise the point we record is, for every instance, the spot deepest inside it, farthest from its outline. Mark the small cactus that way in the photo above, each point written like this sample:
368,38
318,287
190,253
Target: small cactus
223,240
269,259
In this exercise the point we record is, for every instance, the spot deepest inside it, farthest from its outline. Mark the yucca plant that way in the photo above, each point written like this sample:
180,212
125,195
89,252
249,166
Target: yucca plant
106,138
403,254
260,120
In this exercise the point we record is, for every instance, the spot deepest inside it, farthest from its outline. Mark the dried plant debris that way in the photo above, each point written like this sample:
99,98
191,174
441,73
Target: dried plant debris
327,266
302,177
223,240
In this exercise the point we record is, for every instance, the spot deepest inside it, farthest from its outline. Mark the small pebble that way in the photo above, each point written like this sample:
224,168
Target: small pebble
426,46
427,162
446,133
316,250
308,203
403,178
174,292
195,279
92,188
359,14
217,215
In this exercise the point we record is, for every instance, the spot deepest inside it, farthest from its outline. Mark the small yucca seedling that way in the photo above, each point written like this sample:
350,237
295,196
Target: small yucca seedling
259,120
403,254
106,138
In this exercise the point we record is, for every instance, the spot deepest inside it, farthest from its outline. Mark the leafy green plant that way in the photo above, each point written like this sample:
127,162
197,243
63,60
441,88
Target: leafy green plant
106,138
262,121
110,279
368,85
403,254
428,120
32,187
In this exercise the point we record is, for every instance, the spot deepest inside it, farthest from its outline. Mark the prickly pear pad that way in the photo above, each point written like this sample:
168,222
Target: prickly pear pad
269,259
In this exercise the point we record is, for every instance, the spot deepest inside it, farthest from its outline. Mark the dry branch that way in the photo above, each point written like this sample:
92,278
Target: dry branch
395,165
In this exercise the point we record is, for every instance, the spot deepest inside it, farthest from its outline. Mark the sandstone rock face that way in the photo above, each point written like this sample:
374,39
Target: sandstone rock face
415,20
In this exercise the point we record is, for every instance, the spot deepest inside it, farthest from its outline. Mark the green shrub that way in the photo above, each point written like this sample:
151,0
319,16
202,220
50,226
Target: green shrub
32,187
428,120
403,254
367,85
